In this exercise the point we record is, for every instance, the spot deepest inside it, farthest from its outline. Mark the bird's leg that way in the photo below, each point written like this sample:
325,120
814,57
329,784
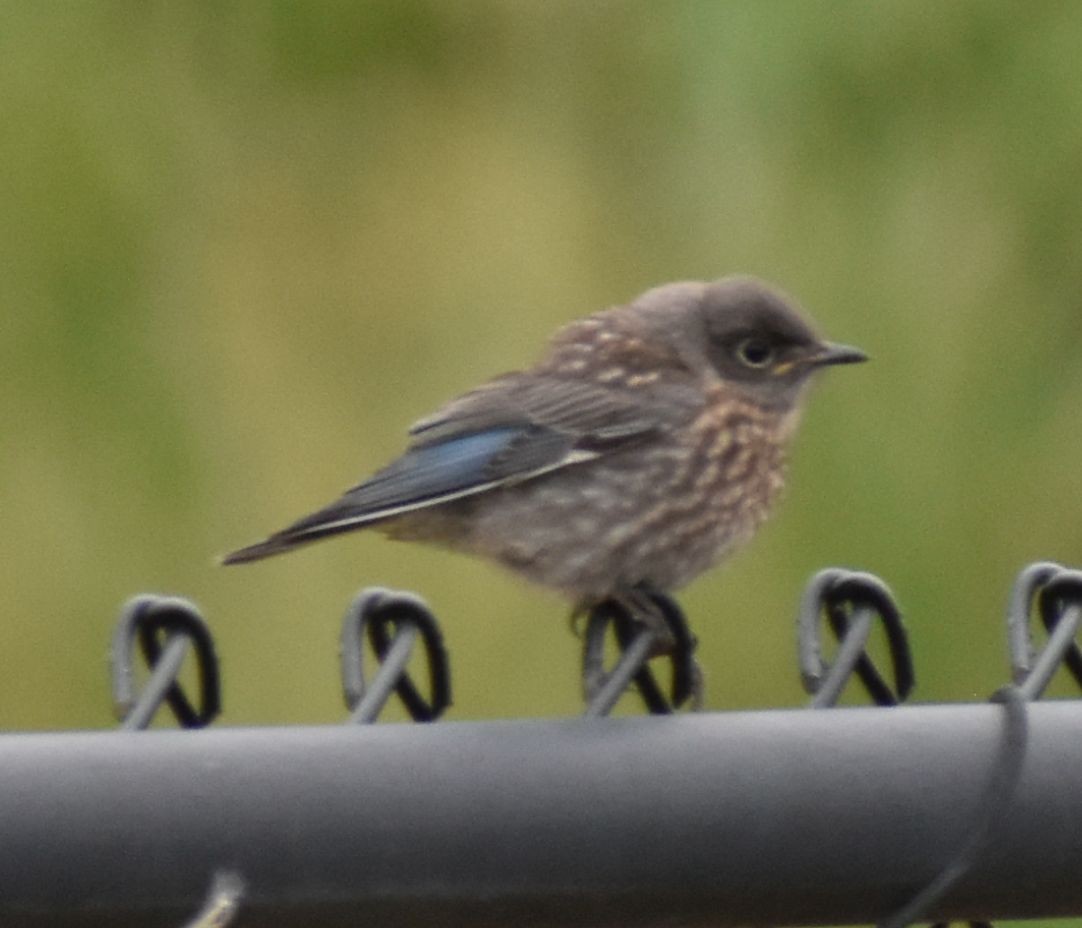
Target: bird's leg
645,631
660,614
641,605
647,625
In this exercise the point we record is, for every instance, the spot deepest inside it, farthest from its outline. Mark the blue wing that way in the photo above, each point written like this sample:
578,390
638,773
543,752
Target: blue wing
427,475
456,466
511,429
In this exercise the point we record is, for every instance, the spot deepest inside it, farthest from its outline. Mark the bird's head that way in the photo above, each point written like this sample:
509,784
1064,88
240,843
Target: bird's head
757,339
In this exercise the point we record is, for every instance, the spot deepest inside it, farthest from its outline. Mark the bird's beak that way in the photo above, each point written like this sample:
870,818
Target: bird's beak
837,354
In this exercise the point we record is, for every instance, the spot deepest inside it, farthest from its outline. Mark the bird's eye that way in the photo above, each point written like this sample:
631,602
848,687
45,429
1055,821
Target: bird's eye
755,352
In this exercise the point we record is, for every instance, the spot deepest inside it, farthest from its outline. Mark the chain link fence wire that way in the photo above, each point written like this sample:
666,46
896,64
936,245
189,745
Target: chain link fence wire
638,642
922,813
851,602
393,622
166,629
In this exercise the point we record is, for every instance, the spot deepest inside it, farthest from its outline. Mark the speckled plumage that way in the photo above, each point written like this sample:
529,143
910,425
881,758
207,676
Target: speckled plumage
644,446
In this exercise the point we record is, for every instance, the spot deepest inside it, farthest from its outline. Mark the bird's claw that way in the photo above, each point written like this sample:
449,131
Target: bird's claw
647,625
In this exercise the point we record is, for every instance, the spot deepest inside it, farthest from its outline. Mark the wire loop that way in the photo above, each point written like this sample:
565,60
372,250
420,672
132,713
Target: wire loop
1057,594
393,622
638,641
851,601
165,627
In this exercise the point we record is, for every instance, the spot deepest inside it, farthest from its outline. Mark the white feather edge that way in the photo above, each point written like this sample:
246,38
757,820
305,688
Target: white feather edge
574,457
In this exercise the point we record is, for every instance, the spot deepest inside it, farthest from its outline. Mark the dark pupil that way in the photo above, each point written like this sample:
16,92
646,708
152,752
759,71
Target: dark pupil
755,351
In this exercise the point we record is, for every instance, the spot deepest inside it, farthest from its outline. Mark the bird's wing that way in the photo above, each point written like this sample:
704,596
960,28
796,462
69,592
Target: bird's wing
583,410
509,430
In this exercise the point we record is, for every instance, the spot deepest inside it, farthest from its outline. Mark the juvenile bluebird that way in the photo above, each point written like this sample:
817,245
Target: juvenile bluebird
645,446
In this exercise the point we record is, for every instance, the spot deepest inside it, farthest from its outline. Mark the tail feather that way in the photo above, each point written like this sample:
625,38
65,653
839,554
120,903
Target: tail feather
334,520
259,551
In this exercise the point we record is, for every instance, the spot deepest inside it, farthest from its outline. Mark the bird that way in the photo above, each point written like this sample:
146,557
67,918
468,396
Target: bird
645,446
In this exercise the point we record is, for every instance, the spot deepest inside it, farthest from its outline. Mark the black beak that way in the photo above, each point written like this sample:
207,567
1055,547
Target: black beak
837,354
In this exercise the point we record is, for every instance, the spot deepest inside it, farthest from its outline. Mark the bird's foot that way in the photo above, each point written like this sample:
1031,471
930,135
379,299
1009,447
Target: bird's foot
647,625
642,605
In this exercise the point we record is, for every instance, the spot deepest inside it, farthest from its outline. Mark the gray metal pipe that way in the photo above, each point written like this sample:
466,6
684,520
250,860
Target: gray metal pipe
784,817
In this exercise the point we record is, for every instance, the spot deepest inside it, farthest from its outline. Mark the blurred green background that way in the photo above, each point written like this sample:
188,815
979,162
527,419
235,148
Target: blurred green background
243,246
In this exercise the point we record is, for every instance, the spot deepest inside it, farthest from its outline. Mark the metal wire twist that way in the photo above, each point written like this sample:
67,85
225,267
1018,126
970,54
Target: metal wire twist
638,642
851,601
166,629
1057,594
393,621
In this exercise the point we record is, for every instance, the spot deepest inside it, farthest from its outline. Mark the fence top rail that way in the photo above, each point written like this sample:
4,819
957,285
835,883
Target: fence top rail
778,817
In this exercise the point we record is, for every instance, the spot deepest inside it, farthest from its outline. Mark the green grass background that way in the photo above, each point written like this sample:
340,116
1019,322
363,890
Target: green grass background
244,245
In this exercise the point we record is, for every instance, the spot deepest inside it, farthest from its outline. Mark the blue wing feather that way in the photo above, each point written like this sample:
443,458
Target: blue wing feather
511,429
426,475
435,470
